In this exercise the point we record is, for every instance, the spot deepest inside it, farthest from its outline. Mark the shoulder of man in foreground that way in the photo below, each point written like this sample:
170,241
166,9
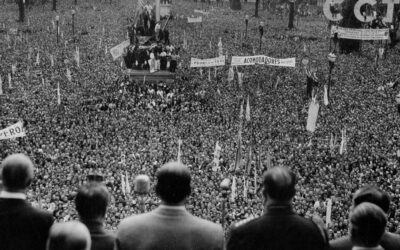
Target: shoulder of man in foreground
342,243
390,241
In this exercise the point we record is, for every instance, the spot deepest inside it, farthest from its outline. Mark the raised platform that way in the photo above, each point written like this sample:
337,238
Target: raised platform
158,76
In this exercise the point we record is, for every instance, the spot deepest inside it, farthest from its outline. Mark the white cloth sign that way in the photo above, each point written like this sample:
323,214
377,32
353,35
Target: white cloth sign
261,59
312,116
195,19
202,12
12,131
328,212
210,62
361,34
118,50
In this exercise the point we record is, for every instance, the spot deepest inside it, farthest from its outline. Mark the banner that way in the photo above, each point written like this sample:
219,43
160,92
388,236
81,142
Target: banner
261,59
328,212
202,12
361,34
118,50
312,116
195,19
12,131
210,62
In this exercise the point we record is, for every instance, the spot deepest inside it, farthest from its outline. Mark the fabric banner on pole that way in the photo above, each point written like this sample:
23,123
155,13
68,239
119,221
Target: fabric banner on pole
202,12
261,59
328,212
361,34
312,116
195,19
205,63
12,131
118,50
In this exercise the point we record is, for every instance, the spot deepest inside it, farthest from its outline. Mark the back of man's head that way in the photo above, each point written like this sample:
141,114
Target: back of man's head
367,225
71,235
92,201
173,183
373,195
16,172
279,184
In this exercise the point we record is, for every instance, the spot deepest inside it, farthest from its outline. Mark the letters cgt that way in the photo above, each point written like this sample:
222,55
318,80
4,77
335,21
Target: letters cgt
357,10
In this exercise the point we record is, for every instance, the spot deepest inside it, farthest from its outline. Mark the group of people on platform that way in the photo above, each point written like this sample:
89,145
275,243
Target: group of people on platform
170,226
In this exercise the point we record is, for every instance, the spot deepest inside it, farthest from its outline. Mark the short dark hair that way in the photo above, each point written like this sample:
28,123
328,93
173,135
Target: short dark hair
71,235
279,184
92,201
16,172
373,195
367,224
173,182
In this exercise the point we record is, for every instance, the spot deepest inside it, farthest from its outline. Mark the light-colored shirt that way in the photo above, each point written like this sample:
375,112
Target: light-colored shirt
11,195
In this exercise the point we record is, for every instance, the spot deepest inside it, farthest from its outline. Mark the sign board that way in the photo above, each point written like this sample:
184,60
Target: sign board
361,34
261,59
210,62
118,50
195,19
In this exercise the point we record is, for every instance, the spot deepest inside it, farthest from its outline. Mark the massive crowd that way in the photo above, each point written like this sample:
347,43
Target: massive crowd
143,122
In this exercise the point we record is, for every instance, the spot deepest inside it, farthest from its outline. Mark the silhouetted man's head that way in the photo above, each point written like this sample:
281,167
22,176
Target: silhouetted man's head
92,201
16,172
279,184
173,183
373,195
367,225
71,235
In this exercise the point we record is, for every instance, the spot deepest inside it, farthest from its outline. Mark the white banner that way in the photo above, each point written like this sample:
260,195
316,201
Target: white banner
12,131
210,62
261,59
202,12
360,34
195,19
118,50
328,212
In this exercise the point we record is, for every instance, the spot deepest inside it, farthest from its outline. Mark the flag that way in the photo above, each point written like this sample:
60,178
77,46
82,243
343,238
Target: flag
312,116
210,46
127,185
328,212
58,94
231,74
240,79
179,150
9,81
37,59
245,187
239,150
1,86
331,143
123,185
217,154
248,163
278,80
209,74
248,109
343,142
233,189
69,76
326,100
77,57
52,60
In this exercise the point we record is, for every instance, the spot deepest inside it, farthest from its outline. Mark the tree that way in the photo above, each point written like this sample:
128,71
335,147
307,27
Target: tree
236,5
291,14
349,21
21,9
256,11
54,5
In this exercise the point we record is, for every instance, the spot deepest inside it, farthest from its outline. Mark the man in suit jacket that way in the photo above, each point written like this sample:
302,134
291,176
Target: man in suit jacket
389,241
22,227
170,226
91,204
280,228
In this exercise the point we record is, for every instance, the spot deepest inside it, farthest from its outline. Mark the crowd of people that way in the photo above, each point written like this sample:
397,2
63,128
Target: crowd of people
138,125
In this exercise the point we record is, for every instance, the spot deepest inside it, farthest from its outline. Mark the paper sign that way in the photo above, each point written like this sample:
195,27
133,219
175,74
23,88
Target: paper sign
210,62
195,19
361,34
118,50
12,131
261,59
